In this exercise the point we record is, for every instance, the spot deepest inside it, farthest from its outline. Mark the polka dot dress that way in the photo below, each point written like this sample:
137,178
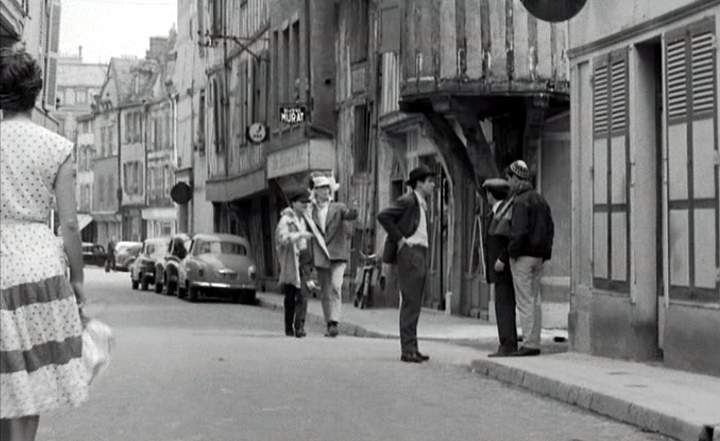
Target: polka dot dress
40,330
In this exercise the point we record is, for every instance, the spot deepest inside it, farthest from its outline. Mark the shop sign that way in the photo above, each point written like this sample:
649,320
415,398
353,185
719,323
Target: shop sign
293,114
287,161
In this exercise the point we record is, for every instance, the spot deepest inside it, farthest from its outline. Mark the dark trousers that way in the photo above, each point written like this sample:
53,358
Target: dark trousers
295,304
505,315
412,269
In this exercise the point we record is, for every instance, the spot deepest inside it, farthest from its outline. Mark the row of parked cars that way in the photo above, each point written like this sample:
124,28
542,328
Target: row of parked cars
204,264
125,254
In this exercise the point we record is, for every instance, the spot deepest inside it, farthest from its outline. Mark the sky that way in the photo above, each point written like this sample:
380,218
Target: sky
113,28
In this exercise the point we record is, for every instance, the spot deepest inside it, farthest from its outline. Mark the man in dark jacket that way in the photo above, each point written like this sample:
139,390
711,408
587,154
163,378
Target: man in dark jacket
531,240
498,264
407,245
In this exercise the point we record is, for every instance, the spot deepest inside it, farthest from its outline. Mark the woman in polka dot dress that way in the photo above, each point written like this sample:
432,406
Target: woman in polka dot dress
40,327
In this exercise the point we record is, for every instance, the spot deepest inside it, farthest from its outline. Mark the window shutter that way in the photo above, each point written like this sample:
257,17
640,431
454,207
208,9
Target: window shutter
611,206
692,149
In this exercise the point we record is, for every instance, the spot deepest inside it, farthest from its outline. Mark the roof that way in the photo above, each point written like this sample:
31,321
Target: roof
81,74
222,237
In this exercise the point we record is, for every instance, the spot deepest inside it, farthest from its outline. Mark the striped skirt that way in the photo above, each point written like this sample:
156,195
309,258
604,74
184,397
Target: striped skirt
40,337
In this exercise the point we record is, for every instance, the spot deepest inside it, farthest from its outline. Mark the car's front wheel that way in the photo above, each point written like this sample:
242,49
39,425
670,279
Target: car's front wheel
249,296
170,286
192,293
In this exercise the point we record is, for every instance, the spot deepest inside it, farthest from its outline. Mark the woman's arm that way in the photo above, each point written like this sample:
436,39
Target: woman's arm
65,196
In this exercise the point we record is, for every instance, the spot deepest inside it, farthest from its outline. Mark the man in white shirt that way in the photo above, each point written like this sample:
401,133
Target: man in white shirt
407,246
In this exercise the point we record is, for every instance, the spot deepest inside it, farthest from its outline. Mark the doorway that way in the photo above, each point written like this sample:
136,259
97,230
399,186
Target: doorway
647,178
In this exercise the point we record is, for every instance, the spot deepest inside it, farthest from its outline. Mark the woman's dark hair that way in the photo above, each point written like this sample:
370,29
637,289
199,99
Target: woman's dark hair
20,80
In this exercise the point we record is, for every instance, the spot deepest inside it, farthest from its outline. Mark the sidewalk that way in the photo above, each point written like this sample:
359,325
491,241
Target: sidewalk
678,404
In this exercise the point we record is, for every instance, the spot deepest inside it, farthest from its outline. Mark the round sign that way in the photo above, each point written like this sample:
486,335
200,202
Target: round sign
181,193
554,10
257,133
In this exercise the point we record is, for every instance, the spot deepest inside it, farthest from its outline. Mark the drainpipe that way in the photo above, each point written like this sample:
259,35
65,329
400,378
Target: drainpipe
226,100
118,192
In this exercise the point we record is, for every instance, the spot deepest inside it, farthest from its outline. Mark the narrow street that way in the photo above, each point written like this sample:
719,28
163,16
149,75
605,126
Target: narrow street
220,371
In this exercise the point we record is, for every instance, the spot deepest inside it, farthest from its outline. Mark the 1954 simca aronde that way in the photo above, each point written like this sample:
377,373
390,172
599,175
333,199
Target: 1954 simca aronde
218,263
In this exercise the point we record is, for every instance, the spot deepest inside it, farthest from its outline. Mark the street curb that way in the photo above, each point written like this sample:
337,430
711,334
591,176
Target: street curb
343,327
598,402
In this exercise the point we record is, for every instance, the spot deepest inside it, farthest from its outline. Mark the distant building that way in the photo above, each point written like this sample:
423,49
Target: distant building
77,84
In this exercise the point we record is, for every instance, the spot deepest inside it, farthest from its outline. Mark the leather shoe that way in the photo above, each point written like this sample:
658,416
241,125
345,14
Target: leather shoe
422,356
410,357
503,352
332,330
526,352
300,333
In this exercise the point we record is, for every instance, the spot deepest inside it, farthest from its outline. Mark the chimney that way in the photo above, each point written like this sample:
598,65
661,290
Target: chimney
80,52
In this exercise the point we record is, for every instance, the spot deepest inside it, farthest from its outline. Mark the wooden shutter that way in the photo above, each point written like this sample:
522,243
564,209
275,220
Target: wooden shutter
692,150
611,152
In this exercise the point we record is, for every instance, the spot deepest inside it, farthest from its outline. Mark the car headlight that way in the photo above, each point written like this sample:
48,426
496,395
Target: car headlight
252,272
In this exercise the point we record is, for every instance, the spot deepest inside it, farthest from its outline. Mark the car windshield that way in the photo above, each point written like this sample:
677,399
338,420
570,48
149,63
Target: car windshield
219,247
155,248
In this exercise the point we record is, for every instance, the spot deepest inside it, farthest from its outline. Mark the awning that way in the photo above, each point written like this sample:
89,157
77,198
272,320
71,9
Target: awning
106,217
237,187
159,213
84,220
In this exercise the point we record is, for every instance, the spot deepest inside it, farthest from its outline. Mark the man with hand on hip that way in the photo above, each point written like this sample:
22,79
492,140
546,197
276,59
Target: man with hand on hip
330,217
407,245
531,241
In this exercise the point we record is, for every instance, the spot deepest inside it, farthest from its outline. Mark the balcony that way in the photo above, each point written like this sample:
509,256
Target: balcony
245,173
500,50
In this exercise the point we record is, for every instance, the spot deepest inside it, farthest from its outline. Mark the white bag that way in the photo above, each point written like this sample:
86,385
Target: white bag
97,344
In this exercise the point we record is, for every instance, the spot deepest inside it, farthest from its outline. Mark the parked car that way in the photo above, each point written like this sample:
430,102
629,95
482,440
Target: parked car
93,254
125,254
142,270
166,266
218,264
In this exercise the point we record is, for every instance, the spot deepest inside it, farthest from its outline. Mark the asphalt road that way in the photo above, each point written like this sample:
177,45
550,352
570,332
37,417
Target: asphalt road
219,371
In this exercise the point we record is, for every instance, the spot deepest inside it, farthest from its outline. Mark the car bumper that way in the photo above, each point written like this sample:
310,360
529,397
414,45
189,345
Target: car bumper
224,285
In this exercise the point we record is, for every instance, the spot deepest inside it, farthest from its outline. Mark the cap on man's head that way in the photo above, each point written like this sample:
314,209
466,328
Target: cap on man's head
322,181
418,174
520,169
298,194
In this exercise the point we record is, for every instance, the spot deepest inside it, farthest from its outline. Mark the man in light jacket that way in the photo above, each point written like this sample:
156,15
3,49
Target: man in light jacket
296,262
329,218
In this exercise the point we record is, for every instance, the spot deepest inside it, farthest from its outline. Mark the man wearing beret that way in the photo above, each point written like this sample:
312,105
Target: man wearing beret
407,245
330,217
531,241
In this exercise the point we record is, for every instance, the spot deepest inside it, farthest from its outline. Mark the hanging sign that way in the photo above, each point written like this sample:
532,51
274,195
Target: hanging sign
292,114
257,133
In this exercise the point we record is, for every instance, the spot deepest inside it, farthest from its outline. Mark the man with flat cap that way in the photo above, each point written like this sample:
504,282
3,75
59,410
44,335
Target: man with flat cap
531,242
407,246
329,218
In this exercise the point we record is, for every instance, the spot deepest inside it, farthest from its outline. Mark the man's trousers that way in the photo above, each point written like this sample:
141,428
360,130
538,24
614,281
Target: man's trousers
526,273
331,281
412,270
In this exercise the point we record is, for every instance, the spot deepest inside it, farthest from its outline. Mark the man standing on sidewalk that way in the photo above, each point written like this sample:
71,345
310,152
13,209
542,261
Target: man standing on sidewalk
330,219
407,245
531,240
